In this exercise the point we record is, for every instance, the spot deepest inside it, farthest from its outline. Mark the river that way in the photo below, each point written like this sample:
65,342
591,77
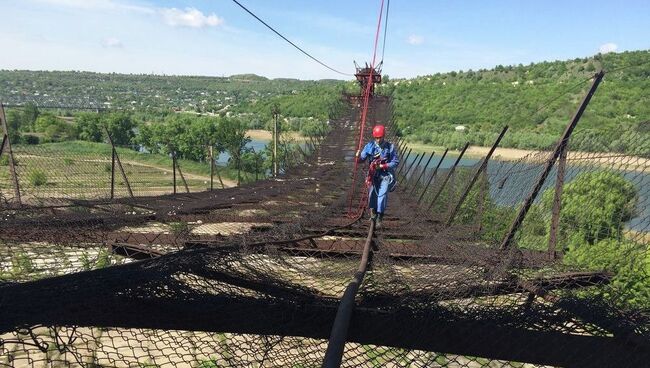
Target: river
525,175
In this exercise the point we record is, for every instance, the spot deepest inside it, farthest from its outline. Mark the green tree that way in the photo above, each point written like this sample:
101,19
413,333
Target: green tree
90,127
55,129
120,126
14,121
30,114
595,206
235,141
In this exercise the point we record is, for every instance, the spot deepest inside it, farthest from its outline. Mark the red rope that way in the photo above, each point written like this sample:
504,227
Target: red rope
364,114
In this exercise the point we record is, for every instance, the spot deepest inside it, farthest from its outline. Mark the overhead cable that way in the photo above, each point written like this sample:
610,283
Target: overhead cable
383,47
286,39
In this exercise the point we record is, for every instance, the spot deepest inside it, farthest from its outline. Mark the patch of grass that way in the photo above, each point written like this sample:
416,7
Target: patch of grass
37,178
68,161
212,363
179,228
21,264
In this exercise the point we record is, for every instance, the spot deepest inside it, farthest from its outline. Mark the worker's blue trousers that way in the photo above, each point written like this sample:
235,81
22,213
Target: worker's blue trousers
378,193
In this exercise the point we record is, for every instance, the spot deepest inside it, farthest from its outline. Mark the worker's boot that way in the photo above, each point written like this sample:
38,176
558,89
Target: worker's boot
380,216
373,214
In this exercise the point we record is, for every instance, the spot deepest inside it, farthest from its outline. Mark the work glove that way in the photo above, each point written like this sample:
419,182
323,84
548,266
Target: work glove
380,166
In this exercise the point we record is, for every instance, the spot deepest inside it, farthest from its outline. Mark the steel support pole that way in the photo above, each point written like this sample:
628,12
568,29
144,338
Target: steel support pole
211,168
119,163
424,169
174,169
112,172
557,204
180,172
476,176
414,166
451,172
405,161
433,175
507,240
275,145
6,143
411,165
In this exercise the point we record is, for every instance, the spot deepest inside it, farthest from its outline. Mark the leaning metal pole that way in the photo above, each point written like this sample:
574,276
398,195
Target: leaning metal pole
476,176
451,172
433,175
424,169
507,240
6,142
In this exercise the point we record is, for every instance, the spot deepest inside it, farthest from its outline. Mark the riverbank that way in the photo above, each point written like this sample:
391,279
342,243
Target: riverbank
265,135
631,163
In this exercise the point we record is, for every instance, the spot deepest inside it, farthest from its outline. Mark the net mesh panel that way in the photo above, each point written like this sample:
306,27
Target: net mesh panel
253,275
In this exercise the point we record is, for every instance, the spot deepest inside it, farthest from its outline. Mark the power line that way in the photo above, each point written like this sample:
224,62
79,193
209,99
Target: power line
383,47
286,39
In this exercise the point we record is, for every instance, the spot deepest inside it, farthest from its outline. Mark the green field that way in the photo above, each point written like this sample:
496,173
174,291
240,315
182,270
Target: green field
82,170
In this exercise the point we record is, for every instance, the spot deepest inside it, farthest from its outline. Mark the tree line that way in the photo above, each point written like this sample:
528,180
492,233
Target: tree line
185,136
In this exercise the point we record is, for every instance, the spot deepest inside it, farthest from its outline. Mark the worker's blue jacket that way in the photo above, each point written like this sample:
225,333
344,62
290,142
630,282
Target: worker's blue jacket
383,180
385,152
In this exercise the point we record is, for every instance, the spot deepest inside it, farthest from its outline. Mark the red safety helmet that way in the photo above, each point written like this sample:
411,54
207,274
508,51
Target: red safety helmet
378,131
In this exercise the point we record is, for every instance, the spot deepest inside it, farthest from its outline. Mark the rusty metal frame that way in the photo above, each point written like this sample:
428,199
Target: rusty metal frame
119,163
451,172
414,167
424,169
507,240
405,161
557,204
478,172
6,144
433,175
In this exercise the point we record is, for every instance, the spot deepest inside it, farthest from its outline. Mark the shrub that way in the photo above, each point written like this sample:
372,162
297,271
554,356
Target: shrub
37,178
31,139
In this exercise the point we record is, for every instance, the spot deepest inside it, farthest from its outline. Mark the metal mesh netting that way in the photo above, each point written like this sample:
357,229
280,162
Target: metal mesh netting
253,275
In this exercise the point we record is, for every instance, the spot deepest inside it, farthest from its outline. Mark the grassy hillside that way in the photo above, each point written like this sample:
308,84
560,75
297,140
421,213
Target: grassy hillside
81,169
536,101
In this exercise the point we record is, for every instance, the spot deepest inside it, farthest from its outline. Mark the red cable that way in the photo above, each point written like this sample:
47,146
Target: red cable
364,114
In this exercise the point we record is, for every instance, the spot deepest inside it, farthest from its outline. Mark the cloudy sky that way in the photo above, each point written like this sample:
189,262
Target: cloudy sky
216,37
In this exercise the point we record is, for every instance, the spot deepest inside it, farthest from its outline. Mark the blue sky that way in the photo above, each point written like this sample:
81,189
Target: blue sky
216,37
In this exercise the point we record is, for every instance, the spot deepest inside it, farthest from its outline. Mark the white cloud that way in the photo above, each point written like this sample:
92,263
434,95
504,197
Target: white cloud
415,39
112,42
190,17
607,48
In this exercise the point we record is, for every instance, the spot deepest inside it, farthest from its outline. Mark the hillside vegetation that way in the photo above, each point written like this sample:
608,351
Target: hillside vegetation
145,92
536,101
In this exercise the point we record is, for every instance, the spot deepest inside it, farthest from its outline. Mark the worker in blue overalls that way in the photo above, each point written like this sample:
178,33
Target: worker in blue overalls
381,174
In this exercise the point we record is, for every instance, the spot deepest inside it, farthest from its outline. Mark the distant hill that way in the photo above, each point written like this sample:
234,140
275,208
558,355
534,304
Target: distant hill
535,100
248,77
152,92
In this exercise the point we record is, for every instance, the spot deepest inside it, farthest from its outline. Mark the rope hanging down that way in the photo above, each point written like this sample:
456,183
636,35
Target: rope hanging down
291,43
364,114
